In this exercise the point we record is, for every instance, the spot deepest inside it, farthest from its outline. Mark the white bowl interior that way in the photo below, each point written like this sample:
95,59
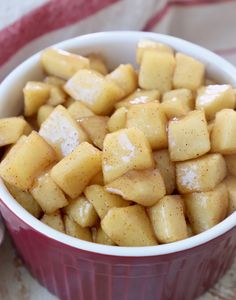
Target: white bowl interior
117,48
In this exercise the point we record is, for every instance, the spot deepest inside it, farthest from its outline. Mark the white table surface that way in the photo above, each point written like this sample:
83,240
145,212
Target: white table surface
16,283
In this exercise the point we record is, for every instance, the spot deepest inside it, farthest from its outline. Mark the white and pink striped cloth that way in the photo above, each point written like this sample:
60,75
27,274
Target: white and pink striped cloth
27,26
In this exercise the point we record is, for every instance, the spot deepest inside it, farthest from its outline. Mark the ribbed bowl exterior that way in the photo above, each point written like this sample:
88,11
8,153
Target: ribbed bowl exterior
74,274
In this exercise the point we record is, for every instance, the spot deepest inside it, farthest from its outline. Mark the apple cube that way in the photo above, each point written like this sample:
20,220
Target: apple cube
73,173
25,160
62,132
125,150
43,113
74,229
93,89
168,220
35,94
166,168
156,70
82,212
144,187
97,63
223,132
48,195
188,137
213,98
145,44
54,220
96,128
201,174
230,183
139,97
129,226
125,77
231,163
174,108
117,120
78,110
183,95
11,129
206,209
102,200
151,121
189,72
61,63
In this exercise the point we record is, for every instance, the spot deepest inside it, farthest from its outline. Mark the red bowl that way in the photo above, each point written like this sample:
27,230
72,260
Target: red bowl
75,269
2,231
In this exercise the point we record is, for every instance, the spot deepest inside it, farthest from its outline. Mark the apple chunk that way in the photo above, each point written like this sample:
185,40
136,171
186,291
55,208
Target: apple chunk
125,150
144,187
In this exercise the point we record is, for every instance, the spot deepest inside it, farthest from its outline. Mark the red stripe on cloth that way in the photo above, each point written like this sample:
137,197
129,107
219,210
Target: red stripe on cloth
53,15
154,20
225,52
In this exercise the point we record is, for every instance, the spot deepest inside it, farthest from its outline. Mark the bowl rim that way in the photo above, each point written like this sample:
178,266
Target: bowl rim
191,242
